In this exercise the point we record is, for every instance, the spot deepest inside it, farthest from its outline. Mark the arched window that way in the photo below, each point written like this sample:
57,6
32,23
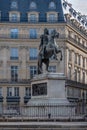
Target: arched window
14,4
33,5
52,5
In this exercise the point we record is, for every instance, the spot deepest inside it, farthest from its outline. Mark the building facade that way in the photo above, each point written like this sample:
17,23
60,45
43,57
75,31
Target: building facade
21,24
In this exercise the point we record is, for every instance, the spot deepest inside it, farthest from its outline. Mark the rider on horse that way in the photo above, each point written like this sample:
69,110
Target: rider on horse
44,42
47,49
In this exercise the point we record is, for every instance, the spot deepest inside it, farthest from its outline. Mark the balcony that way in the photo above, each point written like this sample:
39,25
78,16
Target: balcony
26,99
77,43
77,28
13,99
14,58
19,81
76,84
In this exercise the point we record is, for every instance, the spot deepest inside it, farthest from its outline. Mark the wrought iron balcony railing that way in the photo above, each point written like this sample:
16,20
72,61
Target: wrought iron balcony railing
19,81
75,84
26,20
77,42
19,36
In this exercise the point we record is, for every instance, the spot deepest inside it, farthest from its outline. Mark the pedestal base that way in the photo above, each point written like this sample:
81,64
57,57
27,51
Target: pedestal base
49,96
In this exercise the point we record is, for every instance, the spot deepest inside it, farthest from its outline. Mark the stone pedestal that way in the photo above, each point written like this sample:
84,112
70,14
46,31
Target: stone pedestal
48,96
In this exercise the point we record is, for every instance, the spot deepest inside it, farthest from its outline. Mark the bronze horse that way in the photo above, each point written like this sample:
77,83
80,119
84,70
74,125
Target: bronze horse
51,49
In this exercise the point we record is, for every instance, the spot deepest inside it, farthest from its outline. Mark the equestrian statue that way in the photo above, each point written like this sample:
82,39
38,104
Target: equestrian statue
47,49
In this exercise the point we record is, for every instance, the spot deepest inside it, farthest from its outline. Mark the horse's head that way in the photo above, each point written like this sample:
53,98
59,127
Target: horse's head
54,34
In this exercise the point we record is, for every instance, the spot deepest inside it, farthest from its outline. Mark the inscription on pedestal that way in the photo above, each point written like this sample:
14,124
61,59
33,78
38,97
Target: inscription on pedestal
39,89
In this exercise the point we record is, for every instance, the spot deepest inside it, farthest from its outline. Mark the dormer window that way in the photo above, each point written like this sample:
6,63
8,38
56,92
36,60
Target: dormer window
52,16
33,16
14,5
14,16
52,5
33,5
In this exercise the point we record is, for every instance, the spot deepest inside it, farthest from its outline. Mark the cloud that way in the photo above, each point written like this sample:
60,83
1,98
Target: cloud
79,5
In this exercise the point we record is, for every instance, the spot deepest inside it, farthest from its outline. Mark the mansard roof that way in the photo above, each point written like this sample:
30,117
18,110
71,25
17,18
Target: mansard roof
62,7
23,8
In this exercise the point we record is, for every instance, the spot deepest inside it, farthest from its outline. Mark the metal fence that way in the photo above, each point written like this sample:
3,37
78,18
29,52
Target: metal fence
45,111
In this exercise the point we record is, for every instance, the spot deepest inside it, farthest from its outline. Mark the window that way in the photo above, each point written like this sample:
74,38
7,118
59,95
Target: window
33,18
52,68
83,62
77,93
52,18
33,71
75,58
69,72
75,77
52,5
14,54
33,5
83,43
79,40
70,55
14,33
13,91
9,91
83,77
28,91
71,10
0,91
79,76
79,60
14,4
65,4
33,33
14,17
50,30
16,91
70,92
33,53
14,73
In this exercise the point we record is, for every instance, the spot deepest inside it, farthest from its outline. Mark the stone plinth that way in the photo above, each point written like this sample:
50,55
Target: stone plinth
48,96
53,85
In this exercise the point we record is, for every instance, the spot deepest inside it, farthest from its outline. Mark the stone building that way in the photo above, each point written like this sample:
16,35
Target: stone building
21,24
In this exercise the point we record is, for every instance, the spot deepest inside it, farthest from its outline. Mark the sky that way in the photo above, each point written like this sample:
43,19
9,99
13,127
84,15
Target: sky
79,6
